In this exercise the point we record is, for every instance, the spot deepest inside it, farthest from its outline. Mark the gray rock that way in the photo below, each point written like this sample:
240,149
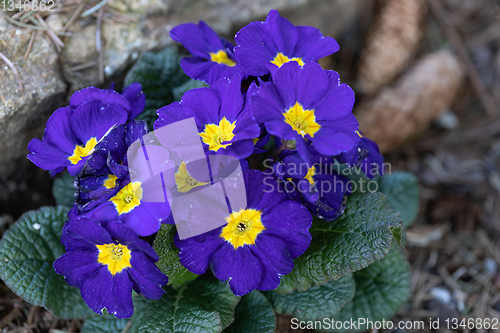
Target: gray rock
129,27
23,113
151,22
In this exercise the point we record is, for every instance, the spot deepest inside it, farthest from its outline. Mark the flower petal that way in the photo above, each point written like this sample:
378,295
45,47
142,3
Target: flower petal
241,267
147,278
93,119
114,293
134,95
312,46
77,266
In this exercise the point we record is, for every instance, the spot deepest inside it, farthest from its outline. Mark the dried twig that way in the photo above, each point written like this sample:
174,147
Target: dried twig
23,25
23,328
14,70
59,44
31,315
95,8
127,327
477,83
98,44
83,66
30,44
73,17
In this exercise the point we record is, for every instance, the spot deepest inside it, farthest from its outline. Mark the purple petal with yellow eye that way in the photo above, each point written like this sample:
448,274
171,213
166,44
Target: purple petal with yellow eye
213,56
292,111
263,47
256,257
225,126
106,261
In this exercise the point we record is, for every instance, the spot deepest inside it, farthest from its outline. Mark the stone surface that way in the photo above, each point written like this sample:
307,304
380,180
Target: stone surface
23,113
150,23
129,27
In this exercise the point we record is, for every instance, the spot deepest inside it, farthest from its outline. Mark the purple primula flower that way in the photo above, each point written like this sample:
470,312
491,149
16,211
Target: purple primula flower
332,189
366,156
106,262
72,132
132,99
263,47
298,176
258,244
317,186
141,203
223,124
107,168
307,104
71,135
213,56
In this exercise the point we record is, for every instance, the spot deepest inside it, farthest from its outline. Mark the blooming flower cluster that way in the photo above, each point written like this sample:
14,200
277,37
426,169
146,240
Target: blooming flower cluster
268,97
105,257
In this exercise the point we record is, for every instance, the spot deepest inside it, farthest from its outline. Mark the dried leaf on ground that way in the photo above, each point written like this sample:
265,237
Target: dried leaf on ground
399,113
391,43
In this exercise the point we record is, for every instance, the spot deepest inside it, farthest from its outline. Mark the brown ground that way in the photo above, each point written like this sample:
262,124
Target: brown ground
453,246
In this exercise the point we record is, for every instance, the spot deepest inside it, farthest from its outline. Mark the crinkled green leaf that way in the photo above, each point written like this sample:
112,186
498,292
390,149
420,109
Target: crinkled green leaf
253,314
104,324
169,262
360,236
401,190
205,305
63,189
318,302
27,253
159,73
381,289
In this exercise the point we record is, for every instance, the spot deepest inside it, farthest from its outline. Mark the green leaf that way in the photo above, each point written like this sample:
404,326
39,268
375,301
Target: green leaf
316,303
177,92
204,305
63,189
27,253
159,73
254,313
104,324
401,190
361,235
169,262
381,289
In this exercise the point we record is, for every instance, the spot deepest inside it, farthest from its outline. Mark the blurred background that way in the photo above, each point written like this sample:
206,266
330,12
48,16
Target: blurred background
427,81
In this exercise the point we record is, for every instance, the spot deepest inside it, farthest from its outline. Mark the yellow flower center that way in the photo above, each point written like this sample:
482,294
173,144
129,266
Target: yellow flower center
359,134
184,181
110,182
81,152
221,58
115,256
302,121
215,135
127,198
243,227
309,176
281,59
